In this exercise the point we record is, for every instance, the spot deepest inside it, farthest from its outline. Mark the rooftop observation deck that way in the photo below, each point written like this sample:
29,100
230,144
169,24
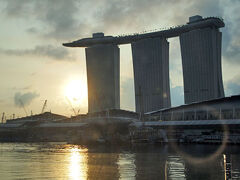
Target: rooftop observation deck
195,22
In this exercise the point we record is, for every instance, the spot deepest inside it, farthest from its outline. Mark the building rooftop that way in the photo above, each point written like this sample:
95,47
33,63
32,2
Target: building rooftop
195,22
188,123
224,99
46,116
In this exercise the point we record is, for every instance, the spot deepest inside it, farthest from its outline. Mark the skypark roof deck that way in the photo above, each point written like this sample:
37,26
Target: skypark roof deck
169,33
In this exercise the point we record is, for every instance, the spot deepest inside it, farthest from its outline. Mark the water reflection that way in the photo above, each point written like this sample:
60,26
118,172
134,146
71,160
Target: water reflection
103,165
78,163
175,168
126,165
235,166
47,161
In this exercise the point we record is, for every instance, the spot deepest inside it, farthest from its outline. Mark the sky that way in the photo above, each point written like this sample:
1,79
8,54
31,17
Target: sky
34,66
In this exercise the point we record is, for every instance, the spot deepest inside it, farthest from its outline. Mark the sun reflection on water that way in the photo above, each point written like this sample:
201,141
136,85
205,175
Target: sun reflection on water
78,163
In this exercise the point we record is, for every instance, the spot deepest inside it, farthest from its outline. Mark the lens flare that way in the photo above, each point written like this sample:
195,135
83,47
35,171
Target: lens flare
76,92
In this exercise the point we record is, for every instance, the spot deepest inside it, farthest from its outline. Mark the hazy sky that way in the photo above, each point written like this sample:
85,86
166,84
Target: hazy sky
35,66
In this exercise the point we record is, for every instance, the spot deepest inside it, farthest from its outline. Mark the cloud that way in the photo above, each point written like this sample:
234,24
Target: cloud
70,19
56,53
59,17
56,19
127,16
127,94
177,96
15,8
232,87
67,20
132,15
22,88
25,98
231,34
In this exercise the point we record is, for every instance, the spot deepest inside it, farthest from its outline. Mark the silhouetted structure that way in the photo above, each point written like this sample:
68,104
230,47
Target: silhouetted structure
168,33
201,54
103,77
201,60
151,74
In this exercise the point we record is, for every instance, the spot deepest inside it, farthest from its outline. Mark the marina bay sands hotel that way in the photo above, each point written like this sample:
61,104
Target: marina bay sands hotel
200,41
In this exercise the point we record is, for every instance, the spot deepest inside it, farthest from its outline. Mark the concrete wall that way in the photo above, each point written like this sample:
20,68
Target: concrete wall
103,73
151,74
201,60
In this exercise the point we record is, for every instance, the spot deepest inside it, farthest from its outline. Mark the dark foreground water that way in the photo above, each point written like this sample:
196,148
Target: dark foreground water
61,161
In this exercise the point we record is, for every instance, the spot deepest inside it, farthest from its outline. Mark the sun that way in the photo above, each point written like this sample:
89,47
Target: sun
76,92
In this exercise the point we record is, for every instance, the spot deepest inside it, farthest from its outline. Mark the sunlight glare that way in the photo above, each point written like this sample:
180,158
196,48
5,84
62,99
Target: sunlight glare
76,92
78,164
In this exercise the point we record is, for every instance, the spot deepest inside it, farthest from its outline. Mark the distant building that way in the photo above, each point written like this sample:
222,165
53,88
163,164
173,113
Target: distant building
151,74
103,75
201,60
44,117
111,113
218,109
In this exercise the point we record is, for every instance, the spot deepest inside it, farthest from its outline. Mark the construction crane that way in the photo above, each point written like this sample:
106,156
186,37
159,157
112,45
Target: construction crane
44,106
69,102
3,117
21,103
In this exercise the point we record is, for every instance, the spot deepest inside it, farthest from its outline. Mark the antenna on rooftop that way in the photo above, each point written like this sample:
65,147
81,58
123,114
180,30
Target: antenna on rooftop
69,102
